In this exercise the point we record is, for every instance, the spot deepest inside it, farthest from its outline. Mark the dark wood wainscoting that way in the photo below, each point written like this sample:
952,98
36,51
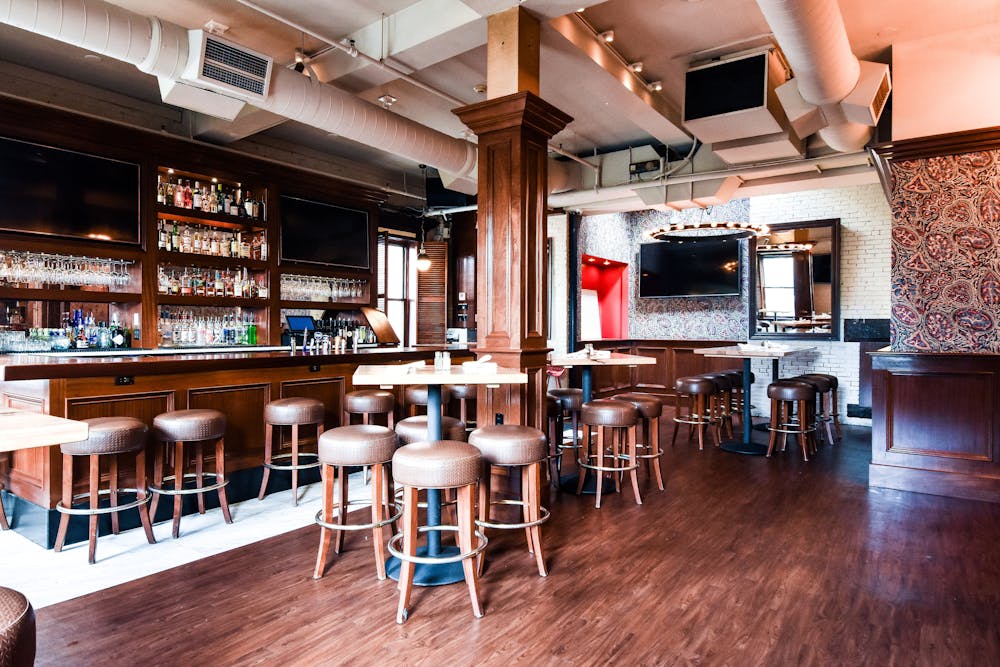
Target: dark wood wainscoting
935,425
674,359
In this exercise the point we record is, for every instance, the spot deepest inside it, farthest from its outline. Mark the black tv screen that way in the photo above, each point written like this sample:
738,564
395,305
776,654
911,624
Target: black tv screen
58,192
322,233
706,267
743,81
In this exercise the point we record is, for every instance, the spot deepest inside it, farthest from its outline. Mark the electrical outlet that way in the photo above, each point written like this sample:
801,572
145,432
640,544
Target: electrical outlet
124,380
499,418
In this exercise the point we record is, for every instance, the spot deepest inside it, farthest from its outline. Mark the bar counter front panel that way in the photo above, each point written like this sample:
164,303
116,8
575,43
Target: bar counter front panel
238,384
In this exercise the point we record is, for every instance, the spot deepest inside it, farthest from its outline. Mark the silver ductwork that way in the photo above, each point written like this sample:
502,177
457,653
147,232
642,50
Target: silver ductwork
161,48
814,40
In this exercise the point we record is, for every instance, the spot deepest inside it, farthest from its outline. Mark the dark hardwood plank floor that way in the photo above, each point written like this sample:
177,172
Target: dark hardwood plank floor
741,561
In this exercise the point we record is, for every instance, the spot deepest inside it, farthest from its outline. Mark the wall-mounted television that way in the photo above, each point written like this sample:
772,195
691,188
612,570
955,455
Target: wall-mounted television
57,192
707,266
321,233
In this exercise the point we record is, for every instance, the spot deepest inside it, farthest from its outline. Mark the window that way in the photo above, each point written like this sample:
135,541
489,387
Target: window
777,279
397,284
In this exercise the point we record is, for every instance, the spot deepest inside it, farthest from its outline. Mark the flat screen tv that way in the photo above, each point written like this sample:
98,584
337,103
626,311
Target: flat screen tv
705,267
58,192
321,233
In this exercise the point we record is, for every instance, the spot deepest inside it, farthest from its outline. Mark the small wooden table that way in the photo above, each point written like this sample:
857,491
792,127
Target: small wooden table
433,574
747,353
586,365
20,429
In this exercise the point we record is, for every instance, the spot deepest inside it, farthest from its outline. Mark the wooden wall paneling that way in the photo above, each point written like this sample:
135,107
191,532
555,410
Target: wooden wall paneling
653,379
329,390
26,473
243,405
432,295
462,269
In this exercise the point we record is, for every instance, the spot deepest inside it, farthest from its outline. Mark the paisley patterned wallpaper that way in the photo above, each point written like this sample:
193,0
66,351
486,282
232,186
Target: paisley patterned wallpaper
617,236
946,253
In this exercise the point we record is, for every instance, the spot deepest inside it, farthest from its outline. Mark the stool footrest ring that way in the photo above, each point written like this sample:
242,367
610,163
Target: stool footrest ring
300,466
360,526
510,526
192,476
430,560
103,510
588,466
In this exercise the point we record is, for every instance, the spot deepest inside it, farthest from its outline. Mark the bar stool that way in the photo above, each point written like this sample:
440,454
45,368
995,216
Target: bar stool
721,400
180,427
822,386
464,393
17,629
697,410
514,446
4,525
108,437
830,410
571,400
616,421
554,422
650,408
357,445
736,395
294,412
368,403
788,396
414,429
438,464
417,395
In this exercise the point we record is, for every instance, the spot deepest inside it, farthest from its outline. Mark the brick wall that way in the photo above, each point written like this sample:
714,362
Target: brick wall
865,221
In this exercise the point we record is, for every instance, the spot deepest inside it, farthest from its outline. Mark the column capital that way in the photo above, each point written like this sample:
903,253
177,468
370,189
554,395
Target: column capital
522,110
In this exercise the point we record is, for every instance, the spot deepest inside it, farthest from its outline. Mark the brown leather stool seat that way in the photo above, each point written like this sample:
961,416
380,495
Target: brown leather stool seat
414,429
693,405
614,422
370,402
294,412
438,464
524,447
195,426
17,629
788,396
417,395
463,393
822,385
571,400
356,445
830,409
107,437
650,409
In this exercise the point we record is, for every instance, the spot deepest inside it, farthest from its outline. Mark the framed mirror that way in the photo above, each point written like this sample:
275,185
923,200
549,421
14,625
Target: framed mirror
795,291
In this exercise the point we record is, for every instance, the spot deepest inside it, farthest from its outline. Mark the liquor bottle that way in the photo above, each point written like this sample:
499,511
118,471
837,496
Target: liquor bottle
248,204
188,195
196,196
136,329
238,286
175,239
261,288
234,245
236,207
220,199
187,243
263,247
162,238
196,246
179,194
214,247
255,247
160,190
186,283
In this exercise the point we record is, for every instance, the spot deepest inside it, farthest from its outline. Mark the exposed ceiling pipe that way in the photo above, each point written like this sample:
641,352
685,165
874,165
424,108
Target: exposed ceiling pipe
354,52
814,40
161,48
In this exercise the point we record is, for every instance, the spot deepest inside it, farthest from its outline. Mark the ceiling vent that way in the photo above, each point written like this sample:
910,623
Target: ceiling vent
220,65
866,102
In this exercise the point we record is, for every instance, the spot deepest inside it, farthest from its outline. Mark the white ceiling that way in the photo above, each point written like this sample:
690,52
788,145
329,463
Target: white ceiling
442,43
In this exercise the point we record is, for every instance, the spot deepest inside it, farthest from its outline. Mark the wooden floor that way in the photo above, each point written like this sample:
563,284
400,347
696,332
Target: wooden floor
741,561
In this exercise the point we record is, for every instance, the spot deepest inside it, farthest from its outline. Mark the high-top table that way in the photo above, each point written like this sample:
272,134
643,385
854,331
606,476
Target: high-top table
747,353
386,377
586,363
20,429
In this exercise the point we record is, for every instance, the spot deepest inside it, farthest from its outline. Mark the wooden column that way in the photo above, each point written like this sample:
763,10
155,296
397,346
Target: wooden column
513,132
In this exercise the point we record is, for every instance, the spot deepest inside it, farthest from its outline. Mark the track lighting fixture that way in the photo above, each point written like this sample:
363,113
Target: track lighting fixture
608,36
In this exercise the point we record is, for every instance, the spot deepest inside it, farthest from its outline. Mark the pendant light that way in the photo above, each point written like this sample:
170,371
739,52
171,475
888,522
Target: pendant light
423,260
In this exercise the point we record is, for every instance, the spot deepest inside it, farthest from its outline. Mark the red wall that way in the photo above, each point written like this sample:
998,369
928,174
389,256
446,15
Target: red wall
612,297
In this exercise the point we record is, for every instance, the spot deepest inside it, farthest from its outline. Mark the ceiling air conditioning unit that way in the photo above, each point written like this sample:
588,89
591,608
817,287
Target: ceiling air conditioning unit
220,65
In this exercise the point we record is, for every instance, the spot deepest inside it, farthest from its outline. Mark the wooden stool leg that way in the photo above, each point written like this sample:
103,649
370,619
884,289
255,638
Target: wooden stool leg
158,456
835,412
328,474
268,454
654,439
67,500
143,494
199,474
525,509
113,488
4,524
220,476
409,548
700,409
600,464
534,506
828,416
803,424
677,414
338,542
616,451
773,437
295,463
95,480
178,485
378,534
485,497
466,539
630,437
583,454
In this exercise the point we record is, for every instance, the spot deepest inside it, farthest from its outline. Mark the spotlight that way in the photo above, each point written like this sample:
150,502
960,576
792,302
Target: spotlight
636,66
300,61
608,36
656,86
387,100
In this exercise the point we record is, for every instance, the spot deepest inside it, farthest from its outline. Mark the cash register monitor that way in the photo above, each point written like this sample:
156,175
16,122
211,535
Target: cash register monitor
300,323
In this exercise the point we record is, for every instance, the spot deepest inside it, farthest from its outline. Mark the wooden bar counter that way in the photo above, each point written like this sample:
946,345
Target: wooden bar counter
936,423
238,383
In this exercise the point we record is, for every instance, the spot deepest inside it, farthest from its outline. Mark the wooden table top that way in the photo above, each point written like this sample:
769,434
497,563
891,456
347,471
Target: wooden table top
616,359
409,374
751,351
20,429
